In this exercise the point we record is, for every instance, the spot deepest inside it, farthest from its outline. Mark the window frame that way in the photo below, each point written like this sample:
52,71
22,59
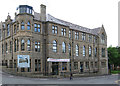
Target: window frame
77,50
63,47
54,46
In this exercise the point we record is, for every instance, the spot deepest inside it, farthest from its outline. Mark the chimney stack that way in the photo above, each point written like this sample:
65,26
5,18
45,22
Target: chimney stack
42,12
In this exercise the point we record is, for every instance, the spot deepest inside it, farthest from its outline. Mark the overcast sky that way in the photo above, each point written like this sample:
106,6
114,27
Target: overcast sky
87,13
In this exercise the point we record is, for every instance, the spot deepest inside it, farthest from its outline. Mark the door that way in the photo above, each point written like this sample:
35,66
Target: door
81,67
55,68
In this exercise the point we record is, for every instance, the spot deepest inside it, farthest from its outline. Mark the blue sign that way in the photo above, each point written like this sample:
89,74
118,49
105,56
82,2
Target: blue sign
23,61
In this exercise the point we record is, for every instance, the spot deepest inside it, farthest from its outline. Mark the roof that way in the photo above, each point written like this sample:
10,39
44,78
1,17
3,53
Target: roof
70,25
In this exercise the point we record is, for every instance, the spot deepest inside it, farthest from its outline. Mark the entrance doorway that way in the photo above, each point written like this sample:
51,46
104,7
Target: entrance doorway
55,66
81,67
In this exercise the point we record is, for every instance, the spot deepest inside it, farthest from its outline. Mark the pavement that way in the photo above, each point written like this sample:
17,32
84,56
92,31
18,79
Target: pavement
107,79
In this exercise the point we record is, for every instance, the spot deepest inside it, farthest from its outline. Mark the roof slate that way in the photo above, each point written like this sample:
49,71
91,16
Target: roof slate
70,25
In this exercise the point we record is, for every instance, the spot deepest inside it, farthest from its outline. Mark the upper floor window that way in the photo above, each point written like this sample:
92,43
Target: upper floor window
15,30
0,34
6,48
22,45
90,51
63,32
77,50
37,27
95,52
25,9
15,45
54,46
28,25
37,46
89,38
69,33
69,48
102,38
28,45
17,26
2,48
76,35
54,29
95,39
103,52
83,36
63,47
22,26
84,53
10,46
8,30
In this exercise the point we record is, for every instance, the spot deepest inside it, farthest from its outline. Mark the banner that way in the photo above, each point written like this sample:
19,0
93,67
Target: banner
58,60
23,61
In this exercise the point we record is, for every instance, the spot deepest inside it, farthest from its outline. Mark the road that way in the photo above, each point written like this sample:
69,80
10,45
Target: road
108,79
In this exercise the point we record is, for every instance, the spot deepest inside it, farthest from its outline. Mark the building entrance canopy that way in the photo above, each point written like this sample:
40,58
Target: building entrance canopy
58,60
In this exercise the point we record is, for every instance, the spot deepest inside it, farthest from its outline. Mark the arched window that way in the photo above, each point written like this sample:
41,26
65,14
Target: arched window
95,52
8,30
15,45
69,47
15,30
2,48
22,45
103,52
84,53
10,46
22,25
28,45
90,51
77,50
54,46
102,38
6,48
63,47
28,25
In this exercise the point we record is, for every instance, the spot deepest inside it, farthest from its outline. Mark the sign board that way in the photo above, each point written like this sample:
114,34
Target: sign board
58,60
23,61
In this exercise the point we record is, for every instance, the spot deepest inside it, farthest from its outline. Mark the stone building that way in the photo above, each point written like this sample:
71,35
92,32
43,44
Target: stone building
38,43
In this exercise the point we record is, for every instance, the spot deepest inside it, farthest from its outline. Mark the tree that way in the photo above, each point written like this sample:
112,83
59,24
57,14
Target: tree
114,56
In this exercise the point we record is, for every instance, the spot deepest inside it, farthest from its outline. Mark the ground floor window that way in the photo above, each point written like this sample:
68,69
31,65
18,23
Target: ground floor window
11,64
6,63
91,64
103,64
75,65
87,65
64,66
37,65
29,69
96,64
15,64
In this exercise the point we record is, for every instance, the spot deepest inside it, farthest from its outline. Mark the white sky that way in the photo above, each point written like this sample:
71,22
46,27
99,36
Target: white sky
87,13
